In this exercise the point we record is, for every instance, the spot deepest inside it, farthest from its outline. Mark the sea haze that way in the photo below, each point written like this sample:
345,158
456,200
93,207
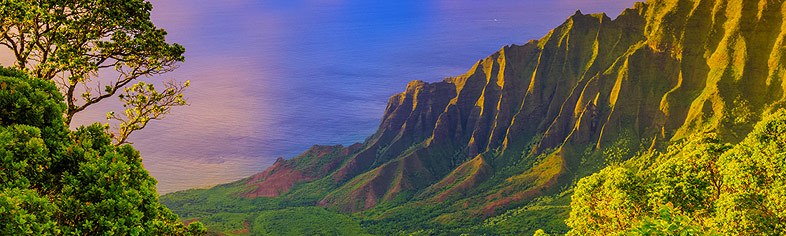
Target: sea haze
271,78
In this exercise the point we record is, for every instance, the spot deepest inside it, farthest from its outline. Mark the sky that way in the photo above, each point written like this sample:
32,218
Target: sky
271,78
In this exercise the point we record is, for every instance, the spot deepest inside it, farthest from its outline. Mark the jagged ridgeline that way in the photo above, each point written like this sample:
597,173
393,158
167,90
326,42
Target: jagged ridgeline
530,120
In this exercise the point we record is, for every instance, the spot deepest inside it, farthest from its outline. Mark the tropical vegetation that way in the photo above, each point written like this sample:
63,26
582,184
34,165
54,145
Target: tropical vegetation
54,181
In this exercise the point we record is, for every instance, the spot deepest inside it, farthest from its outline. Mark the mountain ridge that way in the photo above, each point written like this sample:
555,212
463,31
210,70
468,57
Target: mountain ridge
530,120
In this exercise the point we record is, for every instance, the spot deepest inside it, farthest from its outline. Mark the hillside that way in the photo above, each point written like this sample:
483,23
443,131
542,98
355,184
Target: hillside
499,148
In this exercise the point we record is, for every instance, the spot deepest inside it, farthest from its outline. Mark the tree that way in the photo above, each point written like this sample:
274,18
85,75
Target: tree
71,42
754,200
669,221
701,186
608,201
688,177
54,181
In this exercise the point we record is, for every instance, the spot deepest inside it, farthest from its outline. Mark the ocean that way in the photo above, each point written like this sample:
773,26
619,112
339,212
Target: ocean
271,78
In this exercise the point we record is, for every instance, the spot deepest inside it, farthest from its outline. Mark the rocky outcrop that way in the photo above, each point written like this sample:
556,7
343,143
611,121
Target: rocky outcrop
409,119
660,71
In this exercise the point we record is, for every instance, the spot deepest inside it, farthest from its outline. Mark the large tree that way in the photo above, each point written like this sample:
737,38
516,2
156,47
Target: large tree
72,42
701,186
54,181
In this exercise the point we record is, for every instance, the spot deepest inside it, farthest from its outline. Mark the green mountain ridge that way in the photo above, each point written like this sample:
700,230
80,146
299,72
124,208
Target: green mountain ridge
507,141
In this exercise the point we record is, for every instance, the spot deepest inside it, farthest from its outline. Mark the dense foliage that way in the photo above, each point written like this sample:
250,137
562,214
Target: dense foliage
57,181
702,186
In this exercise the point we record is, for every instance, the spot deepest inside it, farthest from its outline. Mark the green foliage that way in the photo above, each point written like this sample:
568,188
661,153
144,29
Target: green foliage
220,208
24,212
143,103
545,214
306,221
222,211
540,232
754,198
32,102
621,148
689,176
702,186
24,158
309,193
71,42
402,220
608,201
669,221
53,181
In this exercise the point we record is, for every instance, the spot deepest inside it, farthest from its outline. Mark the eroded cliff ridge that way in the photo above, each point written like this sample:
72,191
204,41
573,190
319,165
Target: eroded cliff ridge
658,72
531,119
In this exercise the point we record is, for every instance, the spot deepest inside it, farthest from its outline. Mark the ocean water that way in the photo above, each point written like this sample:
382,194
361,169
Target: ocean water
270,78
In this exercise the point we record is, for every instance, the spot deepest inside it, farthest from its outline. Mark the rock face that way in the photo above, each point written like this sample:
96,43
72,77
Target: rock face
660,71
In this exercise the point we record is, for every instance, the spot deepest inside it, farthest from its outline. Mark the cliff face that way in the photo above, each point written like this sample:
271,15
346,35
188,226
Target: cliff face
593,86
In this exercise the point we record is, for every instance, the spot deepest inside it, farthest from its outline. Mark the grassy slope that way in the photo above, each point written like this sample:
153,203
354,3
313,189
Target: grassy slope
222,211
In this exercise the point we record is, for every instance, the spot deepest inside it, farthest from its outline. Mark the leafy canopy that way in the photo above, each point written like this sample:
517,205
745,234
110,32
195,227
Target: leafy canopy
72,42
702,186
55,181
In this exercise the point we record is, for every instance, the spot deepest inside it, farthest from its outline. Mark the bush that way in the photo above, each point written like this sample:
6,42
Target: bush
54,181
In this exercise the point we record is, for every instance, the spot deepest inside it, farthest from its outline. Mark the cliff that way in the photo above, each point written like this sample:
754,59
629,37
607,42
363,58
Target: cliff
531,119
658,72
